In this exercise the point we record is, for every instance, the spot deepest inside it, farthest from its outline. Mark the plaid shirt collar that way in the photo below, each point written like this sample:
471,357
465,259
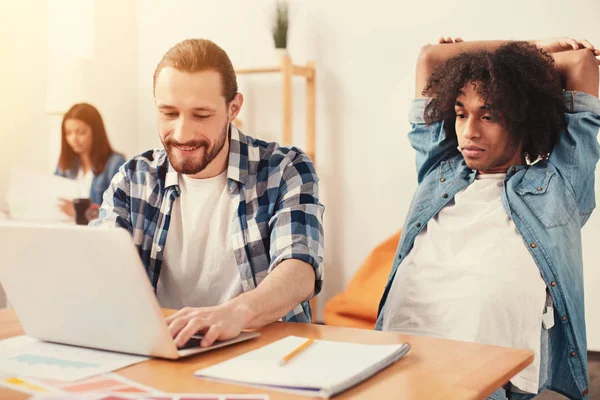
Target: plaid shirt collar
238,160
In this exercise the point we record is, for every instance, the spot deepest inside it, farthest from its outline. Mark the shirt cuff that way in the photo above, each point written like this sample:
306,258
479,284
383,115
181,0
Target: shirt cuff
417,110
581,102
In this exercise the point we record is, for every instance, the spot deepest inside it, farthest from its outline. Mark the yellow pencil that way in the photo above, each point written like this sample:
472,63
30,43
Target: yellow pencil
295,352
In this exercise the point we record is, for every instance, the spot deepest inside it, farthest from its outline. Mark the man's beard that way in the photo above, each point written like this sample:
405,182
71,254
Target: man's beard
191,166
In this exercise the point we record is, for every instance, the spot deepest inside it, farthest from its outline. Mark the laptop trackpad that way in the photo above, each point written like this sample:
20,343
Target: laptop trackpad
193,342
193,345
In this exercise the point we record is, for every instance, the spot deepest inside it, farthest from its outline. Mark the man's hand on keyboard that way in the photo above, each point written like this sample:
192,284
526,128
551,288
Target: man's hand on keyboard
222,322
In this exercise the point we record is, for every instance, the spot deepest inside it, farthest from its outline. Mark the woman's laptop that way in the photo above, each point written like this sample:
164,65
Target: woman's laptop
86,287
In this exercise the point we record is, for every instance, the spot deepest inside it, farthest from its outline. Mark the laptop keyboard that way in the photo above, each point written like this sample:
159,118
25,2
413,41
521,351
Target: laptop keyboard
193,342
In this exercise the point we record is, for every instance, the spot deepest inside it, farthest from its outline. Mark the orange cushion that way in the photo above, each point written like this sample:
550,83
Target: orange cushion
357,306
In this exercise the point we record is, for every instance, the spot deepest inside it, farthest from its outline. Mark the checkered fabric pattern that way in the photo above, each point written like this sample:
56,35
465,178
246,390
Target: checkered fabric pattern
275,192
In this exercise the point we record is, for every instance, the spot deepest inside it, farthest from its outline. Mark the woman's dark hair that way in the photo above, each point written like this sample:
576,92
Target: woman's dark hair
101,149
517,82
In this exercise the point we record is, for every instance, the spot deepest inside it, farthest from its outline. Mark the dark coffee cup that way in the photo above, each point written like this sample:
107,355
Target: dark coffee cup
81,206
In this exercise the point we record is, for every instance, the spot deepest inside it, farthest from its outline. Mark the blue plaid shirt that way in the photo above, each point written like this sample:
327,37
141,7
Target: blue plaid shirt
274,189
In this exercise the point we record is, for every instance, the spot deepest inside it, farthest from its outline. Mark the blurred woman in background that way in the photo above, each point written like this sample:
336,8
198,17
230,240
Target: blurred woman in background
86,155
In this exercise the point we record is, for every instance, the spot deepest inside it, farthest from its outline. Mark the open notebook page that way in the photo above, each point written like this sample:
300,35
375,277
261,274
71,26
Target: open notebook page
325,365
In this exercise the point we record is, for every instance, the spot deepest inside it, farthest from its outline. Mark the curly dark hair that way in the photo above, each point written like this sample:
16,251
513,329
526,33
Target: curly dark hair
517,82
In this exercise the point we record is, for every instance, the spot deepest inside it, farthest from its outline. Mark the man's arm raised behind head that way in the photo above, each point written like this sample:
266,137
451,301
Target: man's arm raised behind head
433,55
575,66
577,152
578,70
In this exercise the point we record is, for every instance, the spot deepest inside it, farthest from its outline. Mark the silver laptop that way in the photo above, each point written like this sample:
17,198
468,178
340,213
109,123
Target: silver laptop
86,287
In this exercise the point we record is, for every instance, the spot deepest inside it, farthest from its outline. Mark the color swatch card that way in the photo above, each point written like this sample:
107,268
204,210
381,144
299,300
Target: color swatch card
107,387
25,356
109,383
166,396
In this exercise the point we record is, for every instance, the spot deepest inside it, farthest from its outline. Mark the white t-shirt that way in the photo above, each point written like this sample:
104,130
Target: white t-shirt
199,267
84,183
470,277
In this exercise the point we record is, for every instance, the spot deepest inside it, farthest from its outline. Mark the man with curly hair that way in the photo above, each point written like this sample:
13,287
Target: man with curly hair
506,142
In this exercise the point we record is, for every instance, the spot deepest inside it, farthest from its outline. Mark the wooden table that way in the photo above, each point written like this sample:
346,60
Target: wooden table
434,368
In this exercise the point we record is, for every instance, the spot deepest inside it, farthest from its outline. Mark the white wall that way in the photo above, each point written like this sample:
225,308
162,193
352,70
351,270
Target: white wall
27,134
29,137
108,72
365,55
23,74
591,264
114,71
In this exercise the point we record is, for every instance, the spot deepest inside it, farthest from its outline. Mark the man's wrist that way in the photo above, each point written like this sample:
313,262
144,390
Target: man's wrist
243,309
578,70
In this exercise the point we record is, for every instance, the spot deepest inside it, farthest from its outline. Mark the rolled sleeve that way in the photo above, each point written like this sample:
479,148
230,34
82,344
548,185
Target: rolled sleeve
577,102
115,208
297,225
431,142
416,113
577,151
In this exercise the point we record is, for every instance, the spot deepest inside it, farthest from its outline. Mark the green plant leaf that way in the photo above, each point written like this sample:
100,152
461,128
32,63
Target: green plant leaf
280,24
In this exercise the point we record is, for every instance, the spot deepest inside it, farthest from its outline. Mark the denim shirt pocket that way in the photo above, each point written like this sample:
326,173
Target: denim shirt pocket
435,183
446,172
552,203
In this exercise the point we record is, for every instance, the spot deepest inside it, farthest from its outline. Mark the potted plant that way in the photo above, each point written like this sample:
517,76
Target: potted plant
280,26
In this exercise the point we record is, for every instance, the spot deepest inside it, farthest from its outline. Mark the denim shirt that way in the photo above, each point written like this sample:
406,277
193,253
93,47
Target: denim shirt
549,202
101,181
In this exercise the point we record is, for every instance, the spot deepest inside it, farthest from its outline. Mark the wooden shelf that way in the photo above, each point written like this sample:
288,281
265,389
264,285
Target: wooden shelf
287,71
307,72
297,70
246,71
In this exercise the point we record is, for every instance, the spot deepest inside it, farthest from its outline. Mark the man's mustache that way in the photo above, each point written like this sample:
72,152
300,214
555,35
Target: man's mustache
192,143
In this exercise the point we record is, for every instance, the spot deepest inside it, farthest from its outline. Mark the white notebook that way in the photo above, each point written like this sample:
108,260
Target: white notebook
324,369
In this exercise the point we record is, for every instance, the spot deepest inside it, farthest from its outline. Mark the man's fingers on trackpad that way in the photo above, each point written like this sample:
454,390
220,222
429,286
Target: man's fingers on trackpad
193,342
194,327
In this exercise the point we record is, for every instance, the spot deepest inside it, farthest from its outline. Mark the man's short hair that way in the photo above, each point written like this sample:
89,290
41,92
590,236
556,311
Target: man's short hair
195,55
